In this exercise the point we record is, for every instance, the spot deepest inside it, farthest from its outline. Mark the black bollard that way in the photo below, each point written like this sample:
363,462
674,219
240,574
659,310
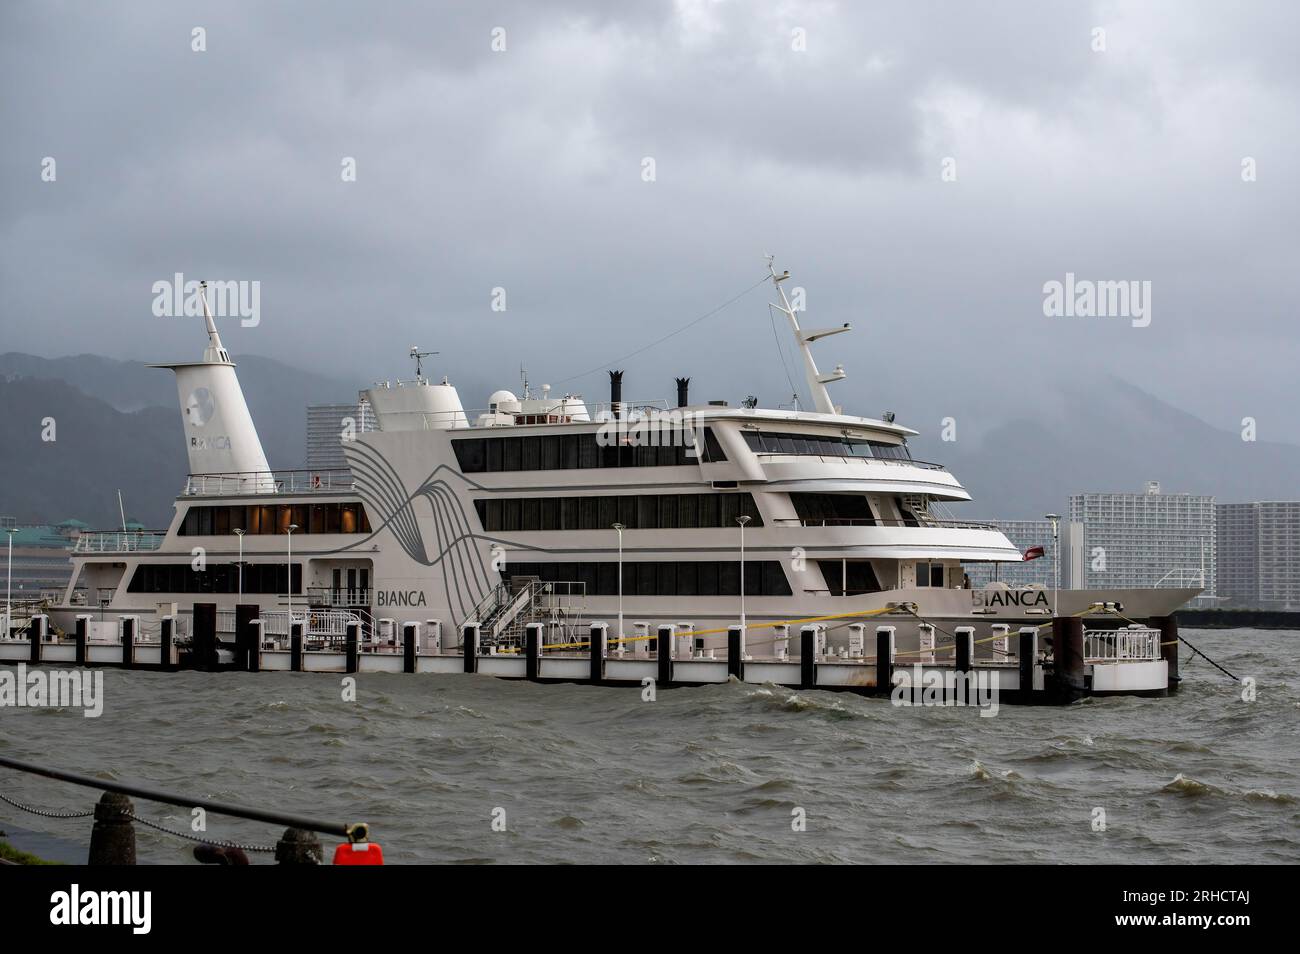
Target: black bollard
112,839
596,649
808,657
83,627
664,654
36,634
735,655
1168,627
963,653
298,847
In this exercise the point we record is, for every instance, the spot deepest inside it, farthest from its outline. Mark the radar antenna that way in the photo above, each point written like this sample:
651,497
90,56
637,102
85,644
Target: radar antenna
419,357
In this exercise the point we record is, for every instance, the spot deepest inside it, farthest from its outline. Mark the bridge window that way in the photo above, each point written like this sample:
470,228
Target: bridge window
824,445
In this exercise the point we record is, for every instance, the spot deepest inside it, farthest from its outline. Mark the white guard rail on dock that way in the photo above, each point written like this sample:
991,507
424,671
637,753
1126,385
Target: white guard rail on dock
1135,643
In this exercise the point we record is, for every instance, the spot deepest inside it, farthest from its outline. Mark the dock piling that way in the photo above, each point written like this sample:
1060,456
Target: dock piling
664,653
736,652
81,637
352,645
884,659
165,630
205,636
410,644
36,633
469,646
533,649
1027,660
599,634
807,657
295,646
128,626
248,650
1168,626
1067,683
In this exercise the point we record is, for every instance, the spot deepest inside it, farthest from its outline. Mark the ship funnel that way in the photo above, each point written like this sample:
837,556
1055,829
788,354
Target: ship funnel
220,437
616,392
683,387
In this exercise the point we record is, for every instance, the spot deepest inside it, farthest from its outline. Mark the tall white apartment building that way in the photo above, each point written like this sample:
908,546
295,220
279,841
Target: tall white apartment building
1024,534
1259,554
1140,540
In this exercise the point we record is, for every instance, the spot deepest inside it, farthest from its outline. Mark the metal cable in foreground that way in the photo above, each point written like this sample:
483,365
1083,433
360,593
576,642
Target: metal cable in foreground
216,843
43,812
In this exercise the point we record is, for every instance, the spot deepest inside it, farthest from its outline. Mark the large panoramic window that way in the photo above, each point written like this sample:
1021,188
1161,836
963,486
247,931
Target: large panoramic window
646,578
849,577
635,512
577,452
257,519
217,578
833,510
824,445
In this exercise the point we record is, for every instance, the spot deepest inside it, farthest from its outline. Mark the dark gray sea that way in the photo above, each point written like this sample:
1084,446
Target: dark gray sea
718,774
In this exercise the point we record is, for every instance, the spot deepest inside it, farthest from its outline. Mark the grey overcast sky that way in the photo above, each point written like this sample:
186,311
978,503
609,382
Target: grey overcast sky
523,169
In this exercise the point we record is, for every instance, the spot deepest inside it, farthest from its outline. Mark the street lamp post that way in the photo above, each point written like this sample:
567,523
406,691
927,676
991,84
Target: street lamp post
742,521
9,584
619,528
240,533
1056,559
292,528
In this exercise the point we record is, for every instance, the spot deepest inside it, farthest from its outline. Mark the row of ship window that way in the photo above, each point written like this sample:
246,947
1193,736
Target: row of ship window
257,519
633,511
672,448
763,442
667,578
217,578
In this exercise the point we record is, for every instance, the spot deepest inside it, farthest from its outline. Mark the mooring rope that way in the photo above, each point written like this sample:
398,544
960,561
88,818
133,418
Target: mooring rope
1183,639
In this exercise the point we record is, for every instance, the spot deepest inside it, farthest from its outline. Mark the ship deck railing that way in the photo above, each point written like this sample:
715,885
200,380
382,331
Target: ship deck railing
931,522
119,541
299,481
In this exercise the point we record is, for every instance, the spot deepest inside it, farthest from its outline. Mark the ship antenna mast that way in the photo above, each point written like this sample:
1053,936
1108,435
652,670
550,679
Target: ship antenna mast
816,381
419,357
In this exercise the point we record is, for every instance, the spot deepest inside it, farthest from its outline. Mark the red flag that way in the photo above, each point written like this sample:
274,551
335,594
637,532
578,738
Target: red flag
1033,553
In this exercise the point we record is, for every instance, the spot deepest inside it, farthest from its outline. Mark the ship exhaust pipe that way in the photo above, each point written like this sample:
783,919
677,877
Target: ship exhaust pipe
616,393
683,387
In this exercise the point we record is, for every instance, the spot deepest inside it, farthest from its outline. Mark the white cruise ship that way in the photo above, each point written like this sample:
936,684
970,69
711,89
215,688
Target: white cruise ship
556,509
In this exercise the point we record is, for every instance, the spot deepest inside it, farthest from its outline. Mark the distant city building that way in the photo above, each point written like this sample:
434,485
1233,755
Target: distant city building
326,426
1140,540
1024,534
1259,554
41,567
7,522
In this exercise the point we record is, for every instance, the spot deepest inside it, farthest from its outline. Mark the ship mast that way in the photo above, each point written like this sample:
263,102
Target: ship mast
816,381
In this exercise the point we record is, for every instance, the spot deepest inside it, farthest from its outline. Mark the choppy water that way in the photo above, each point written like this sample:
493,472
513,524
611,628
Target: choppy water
700,775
